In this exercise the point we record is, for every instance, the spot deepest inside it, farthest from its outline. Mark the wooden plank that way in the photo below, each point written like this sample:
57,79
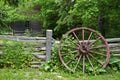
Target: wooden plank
48,44
37,41
32,38
8,37
115,50
111,40
40,56
35,66
115,55
38,46
114,44
36,49
1,53
35,63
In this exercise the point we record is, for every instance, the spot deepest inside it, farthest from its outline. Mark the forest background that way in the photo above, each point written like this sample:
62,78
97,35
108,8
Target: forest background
63,15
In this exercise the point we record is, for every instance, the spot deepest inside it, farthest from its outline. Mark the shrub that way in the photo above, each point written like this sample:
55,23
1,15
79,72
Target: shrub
55,64
14,56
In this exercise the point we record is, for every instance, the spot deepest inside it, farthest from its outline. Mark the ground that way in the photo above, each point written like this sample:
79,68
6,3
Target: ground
36,74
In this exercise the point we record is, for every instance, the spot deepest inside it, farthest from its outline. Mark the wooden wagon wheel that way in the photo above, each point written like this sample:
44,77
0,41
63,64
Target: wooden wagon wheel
83,48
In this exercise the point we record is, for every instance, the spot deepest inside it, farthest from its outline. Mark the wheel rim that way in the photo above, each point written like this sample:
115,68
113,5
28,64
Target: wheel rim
78,51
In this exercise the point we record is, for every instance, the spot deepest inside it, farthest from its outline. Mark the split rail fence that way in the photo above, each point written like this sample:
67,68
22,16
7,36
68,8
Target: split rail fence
42,48
45,44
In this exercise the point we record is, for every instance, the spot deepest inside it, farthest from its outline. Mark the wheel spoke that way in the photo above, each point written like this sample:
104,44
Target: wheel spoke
72,42
66,46
90,63
90,37
72,52
72,59
83,35
63,55
94,41
78,62
98,53
77,38
95,59
83,64
98,47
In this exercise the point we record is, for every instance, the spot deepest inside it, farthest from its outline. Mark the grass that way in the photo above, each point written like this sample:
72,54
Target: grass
35,74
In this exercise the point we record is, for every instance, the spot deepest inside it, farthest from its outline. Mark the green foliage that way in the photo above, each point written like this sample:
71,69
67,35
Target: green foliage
14,56
110,12
114,62
87,11
54,63
10,13
4,9
5,29
63,15
27,32
68,54
15,10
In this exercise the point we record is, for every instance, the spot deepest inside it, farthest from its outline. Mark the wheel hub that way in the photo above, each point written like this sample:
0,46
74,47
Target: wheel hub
84,48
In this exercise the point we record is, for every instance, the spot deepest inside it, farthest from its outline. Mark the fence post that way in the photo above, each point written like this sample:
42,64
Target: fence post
48,44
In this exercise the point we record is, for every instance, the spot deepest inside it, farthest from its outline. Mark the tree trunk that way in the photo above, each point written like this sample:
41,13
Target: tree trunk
100,25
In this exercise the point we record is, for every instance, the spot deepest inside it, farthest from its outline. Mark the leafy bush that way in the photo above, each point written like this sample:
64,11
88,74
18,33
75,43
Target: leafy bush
14,56
55,64
114,62
5,29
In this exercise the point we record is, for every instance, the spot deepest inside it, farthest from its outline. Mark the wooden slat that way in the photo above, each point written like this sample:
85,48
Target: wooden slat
34,66
115,50
1,53
111,40
21,38
39,41
114,44
36,49
40,56
115,55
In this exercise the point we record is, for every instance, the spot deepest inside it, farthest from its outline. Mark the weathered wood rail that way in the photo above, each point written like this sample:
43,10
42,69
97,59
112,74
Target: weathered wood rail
114,44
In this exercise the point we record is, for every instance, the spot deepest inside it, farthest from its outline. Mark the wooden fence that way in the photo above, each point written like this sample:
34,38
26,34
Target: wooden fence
114,44
42,44
45,44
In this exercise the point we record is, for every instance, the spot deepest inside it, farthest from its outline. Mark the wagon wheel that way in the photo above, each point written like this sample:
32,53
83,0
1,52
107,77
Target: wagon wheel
83,49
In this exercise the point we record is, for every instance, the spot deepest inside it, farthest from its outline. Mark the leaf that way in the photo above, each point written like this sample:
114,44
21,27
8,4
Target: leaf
102,70
114,60
47,67
115,68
